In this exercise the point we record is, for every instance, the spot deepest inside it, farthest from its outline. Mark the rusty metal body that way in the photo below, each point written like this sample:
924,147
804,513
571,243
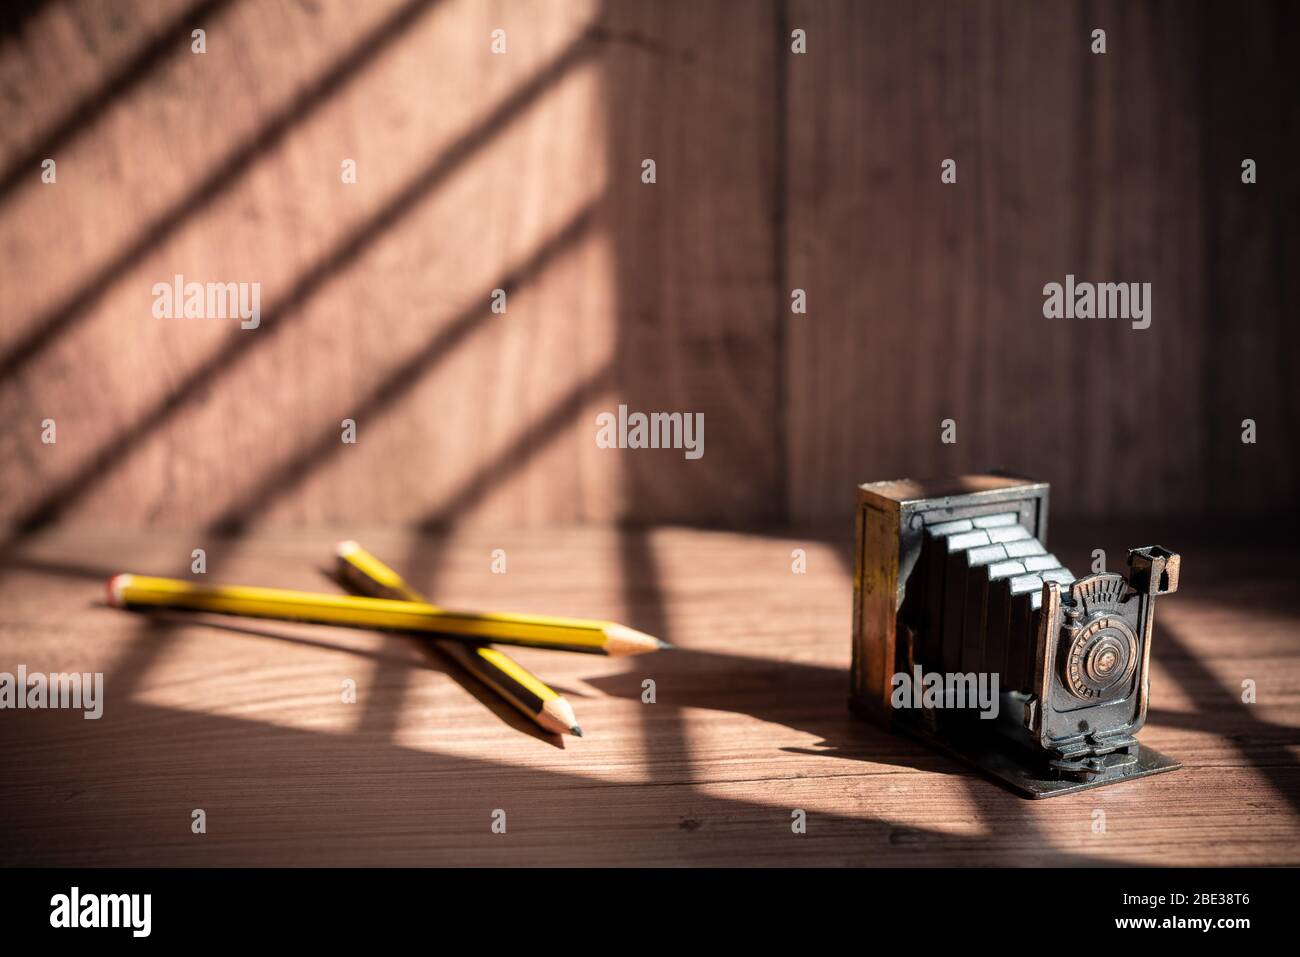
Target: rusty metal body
955,590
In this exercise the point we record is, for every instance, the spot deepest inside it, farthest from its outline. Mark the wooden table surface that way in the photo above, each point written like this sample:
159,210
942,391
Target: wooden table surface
246,720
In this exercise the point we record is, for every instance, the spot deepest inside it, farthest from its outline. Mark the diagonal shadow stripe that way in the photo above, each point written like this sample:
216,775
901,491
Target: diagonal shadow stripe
117,85
277,482
147,645
1272,759
46,328
257,772
150,640
419,562
337,260
525,446
16,14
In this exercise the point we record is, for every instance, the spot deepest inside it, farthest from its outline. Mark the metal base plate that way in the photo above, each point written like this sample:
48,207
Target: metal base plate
1029,781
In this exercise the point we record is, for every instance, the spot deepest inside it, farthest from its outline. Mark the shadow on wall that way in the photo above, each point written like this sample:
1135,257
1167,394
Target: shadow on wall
757,177
692,90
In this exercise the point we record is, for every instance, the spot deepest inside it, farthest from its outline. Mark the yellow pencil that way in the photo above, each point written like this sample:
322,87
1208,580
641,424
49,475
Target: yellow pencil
540,631
507,677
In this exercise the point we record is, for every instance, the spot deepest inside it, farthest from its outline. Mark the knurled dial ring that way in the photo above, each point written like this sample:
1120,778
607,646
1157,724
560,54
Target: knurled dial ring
1102,657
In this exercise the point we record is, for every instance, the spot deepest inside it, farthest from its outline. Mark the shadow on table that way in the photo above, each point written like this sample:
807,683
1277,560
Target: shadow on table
399,654
122,790
808,699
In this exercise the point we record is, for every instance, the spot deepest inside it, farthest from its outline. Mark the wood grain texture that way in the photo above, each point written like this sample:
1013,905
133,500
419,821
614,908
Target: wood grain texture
927,298
245,719
476,172
523,172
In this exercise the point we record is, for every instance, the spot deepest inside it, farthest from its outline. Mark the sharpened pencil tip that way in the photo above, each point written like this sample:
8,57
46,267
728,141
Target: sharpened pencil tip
557,717
344,549
663,644
622,640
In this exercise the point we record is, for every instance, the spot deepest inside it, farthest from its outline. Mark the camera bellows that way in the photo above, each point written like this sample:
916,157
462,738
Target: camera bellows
968,632
983,579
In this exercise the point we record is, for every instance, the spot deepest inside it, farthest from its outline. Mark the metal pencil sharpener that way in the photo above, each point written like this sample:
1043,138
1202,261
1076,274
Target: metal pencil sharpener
970,634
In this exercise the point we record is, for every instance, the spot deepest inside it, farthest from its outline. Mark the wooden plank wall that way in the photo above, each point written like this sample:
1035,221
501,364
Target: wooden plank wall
475,172
927,298
523,172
